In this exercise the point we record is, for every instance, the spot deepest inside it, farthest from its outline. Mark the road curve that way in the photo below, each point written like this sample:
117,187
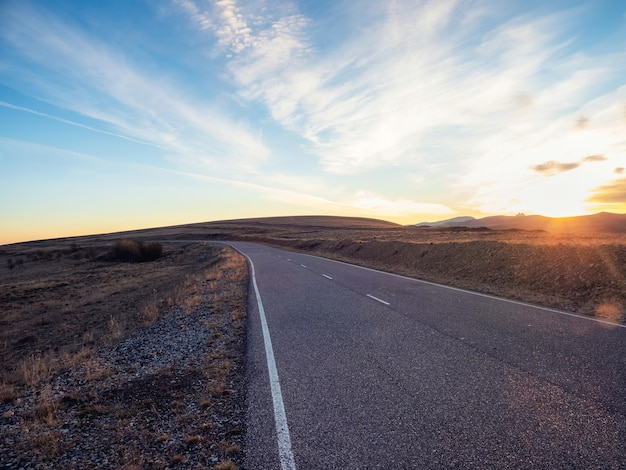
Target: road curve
381,371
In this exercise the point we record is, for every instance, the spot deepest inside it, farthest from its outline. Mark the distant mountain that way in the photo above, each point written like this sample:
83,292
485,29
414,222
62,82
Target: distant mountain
606,222
447,223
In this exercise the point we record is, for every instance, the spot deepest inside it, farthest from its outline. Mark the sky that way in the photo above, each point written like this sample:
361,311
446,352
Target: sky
126,114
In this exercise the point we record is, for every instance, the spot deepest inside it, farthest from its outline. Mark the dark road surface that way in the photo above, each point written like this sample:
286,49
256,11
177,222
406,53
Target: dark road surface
380,371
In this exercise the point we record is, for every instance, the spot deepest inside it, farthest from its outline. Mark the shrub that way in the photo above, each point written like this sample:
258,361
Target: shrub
135,251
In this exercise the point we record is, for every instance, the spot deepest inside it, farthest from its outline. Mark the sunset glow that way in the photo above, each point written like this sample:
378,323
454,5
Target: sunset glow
129,114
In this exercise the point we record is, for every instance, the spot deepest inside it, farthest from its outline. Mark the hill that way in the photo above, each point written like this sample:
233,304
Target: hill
325,221
448,222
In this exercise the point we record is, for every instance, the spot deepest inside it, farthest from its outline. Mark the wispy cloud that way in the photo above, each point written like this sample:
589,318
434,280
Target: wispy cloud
268,50
98,81
72,123
594,158
612,193
552,167
202,19
233,31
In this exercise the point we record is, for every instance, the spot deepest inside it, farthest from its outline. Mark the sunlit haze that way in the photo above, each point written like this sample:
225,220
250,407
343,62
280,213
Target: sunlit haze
130,114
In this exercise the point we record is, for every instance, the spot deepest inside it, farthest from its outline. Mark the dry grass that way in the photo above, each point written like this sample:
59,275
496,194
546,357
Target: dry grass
37,368
8,393
94,370
226,465
193,440
150,312
611,310
46,408
47,444
117,328
61,299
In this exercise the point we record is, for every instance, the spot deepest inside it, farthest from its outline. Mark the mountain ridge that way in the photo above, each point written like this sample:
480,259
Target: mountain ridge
606,222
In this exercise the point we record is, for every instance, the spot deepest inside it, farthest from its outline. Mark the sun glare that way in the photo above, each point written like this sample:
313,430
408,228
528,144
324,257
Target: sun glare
554,205
554,198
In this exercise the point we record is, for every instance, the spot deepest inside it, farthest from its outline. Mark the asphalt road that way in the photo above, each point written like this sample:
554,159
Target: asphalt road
380,371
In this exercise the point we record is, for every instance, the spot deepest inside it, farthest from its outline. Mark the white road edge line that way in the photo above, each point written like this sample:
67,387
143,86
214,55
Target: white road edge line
285,454
327,276
379,300
479,294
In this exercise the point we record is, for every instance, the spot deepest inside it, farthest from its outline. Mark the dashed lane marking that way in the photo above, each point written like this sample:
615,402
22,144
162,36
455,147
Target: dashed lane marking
377,299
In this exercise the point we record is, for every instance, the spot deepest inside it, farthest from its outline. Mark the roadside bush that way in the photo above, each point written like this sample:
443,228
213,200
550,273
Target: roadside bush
135,251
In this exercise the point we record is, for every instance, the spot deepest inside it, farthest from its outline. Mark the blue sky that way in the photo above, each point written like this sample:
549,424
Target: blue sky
127,114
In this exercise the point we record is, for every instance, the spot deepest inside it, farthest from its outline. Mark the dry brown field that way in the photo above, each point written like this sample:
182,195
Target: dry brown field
61,297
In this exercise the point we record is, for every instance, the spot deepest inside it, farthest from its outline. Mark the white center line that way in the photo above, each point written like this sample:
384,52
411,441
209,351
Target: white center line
327,276
379,300
303,265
